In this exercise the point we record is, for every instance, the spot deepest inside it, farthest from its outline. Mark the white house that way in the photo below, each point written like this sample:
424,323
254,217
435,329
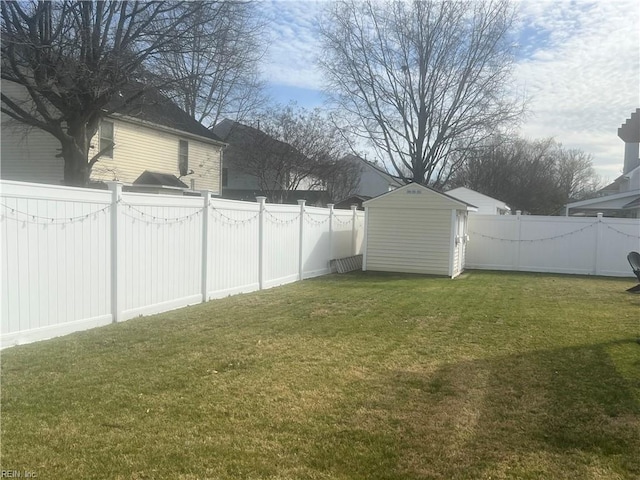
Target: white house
415,229
157,142
251,156
622,197
373,180
486,205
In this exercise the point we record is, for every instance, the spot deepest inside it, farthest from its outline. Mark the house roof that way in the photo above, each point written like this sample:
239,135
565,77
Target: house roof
373,166
616,201
149,105
242,138
464,190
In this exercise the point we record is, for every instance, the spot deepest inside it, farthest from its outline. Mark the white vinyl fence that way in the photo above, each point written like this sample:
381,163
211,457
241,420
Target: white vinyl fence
587,246
74,258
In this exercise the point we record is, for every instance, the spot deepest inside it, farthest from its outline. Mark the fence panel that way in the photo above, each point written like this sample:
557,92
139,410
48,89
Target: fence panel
316,244
233,253
161,249
342,234
618,237
55,256
281,245
588,246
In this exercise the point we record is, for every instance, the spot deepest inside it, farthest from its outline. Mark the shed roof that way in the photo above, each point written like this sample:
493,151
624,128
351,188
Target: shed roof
419,190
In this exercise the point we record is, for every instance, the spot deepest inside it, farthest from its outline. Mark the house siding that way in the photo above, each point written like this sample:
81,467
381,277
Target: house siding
139,147
373,183
27,154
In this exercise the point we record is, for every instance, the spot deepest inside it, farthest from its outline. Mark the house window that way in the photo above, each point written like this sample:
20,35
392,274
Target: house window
183,158
193,184
106,139
225,176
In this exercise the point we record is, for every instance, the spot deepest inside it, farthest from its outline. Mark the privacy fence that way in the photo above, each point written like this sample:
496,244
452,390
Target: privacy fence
587,246
73,258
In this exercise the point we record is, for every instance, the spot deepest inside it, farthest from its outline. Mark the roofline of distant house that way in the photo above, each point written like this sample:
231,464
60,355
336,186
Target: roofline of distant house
380,170
502,205
164,128
606,198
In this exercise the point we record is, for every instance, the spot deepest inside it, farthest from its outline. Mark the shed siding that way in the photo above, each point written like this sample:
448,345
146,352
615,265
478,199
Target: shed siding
397,240
138,148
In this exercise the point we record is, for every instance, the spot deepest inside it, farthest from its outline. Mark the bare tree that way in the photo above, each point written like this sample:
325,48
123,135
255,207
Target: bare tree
342,178
74,57
576,176
537,177
216,64
317,149
423,80
291,149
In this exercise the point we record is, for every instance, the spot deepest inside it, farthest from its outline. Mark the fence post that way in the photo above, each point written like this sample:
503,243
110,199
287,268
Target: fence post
354,231
117,284
330,207
518,238
596,261
261,201
301,241
205,244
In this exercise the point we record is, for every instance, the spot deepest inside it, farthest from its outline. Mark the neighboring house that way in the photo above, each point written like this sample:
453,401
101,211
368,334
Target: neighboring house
252,154
155,146
374,180
622,197
486,205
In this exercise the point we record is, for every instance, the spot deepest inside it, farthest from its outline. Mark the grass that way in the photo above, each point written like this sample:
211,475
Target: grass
359,376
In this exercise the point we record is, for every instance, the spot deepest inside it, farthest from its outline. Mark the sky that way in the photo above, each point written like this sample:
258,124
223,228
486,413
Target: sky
578,64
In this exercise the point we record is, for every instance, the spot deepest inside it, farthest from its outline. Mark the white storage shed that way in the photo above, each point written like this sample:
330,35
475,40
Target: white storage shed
415,229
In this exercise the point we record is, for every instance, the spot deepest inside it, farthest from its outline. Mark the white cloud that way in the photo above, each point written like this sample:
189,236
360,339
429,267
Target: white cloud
579,63
585,79
294,43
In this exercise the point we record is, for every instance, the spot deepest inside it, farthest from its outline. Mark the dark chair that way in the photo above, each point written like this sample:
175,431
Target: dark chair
634,261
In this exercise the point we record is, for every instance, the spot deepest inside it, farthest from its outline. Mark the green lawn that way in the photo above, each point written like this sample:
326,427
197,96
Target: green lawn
358,376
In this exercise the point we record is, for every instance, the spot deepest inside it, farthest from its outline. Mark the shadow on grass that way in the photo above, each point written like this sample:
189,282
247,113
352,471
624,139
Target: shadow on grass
565,413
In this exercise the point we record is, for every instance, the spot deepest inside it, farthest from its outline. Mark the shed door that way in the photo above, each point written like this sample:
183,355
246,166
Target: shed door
460,242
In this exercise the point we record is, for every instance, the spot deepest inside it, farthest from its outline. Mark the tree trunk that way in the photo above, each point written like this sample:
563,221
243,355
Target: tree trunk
76,165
